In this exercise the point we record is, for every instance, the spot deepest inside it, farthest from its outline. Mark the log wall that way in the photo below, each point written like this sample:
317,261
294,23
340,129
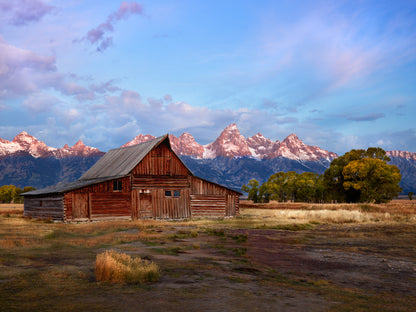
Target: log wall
208,206
212,200
44,207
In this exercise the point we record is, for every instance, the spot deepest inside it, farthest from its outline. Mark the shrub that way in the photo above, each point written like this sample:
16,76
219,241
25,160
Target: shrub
116,267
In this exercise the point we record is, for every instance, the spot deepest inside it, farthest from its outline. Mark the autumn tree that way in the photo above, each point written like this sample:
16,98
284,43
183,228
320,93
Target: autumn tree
11,193
362,176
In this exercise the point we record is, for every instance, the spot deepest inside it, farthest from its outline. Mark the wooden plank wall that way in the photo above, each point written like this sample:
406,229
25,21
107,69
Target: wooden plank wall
161,161
114,204
208,206
170,207
44,207
160,181
206,192
201,186
102,202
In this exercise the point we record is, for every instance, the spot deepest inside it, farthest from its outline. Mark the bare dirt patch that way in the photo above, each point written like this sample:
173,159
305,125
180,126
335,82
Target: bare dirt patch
251,263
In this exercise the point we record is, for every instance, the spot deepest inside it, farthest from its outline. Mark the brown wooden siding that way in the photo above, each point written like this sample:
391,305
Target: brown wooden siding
98,201
44,207
208,205
170,207
159,181
201,186
161,161
114,204
204,199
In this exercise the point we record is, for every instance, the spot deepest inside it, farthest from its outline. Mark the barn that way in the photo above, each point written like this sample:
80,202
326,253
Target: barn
147,180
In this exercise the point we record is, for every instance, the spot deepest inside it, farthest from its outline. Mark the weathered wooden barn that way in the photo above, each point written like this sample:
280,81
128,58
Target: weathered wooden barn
147,180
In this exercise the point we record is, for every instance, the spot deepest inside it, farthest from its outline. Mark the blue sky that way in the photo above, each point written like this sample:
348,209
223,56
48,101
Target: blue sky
339,74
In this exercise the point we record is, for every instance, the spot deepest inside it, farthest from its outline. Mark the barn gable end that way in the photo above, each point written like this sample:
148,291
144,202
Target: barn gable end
147,180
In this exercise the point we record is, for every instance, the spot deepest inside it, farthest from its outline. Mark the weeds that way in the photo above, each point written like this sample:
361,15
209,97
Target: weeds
115,267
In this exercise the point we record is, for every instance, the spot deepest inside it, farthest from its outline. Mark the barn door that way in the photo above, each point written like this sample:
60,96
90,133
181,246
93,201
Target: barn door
80,206
145,206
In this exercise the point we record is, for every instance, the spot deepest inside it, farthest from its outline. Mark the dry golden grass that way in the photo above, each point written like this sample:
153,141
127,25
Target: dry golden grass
320,216
9,209
400,206
115,267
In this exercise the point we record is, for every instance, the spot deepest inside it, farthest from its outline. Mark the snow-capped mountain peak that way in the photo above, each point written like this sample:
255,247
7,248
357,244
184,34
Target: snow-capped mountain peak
230,144
402,154
26,143
139,139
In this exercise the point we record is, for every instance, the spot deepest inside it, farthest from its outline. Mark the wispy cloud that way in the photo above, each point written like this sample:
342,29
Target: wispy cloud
332,48
368,117
21,69
23,12
99,37
40,102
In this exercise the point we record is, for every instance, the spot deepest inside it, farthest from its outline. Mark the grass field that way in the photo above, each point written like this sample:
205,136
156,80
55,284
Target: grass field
285,257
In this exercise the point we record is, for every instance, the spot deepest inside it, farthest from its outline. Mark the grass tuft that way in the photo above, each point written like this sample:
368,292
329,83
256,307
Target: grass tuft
115,267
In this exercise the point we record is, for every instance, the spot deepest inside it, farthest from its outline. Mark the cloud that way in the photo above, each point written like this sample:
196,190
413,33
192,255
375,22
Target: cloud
26,73
40,102
99,36
168,98
333,47
368,117
104,87
20,70
23,12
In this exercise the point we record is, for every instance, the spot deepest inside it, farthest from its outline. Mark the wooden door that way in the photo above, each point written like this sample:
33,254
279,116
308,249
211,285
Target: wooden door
80,206
145,205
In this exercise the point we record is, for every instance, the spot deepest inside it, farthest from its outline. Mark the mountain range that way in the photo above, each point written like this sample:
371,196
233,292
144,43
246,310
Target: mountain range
230,160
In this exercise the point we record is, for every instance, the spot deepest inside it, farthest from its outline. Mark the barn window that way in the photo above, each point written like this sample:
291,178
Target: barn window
117,185
168,193
176,193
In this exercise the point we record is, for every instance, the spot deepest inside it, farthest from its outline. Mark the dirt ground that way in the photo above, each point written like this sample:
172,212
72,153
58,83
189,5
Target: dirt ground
211,266
280,270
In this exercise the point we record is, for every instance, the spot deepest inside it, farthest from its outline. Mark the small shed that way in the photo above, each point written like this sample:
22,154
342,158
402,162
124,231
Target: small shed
147,180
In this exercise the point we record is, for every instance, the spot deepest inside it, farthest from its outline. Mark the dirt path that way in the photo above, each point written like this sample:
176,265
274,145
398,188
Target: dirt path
325,254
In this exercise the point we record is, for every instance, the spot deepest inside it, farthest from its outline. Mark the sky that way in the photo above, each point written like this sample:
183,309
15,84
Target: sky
339,74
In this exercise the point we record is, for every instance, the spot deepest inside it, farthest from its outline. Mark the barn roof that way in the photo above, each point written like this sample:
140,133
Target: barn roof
66,186
121,161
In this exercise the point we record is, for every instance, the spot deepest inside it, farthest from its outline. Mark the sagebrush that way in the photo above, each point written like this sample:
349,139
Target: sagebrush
115,267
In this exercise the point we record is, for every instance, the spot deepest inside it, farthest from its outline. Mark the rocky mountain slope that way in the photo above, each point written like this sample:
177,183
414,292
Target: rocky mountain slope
230,160
24,144
231,143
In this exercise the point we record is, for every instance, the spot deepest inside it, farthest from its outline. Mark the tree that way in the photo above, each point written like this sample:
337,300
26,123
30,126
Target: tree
410,195
334,176
252,188
374,179
275,186
11,193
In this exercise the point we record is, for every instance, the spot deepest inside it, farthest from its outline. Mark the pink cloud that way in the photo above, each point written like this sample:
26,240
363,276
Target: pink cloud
99,36
24,11
20,69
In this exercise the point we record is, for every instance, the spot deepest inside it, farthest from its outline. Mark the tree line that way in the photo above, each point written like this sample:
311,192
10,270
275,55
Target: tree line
10,194
357,176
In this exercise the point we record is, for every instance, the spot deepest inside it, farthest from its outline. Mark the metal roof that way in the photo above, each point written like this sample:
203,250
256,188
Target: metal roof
121,161
66,186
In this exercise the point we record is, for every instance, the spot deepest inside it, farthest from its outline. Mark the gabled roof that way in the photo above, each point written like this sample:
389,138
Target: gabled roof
66,186
121,161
